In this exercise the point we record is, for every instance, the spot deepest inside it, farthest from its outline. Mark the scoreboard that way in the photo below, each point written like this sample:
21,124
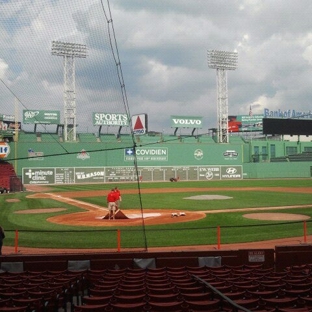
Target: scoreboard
72,175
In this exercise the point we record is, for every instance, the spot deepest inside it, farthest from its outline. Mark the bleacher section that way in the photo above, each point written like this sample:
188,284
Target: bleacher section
49,137
236,139
86,137
186,288
27,137
279,159
305,156
206,139
189,139
147,139
8,178
108,138
125,138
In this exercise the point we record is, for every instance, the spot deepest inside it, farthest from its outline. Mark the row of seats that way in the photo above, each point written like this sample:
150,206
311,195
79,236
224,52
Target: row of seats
202,288
48,291
95,137
6,172
198,289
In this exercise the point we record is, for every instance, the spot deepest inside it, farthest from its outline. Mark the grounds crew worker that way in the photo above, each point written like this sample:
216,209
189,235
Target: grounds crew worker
111,202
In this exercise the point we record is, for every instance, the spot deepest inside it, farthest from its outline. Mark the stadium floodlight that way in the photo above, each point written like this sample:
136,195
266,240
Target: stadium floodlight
222,61
69,51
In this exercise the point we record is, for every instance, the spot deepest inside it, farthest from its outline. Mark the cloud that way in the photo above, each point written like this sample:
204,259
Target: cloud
3,69
162,49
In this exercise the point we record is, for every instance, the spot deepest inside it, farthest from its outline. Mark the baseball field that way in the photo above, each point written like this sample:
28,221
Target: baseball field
157,214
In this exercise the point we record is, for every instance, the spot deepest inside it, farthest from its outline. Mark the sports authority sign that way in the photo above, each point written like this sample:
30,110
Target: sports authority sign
139,124
110,119
186,122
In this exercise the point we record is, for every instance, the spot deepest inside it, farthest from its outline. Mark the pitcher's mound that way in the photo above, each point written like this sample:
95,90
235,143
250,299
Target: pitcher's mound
276,216
208,197
118,215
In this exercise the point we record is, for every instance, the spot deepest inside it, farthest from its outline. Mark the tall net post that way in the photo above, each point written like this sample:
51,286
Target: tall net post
222,61
69,51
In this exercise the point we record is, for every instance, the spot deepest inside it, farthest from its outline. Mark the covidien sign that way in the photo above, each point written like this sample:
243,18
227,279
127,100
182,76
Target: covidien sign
147,154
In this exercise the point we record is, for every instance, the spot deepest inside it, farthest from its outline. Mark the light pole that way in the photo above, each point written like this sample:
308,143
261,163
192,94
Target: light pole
69,51
222,61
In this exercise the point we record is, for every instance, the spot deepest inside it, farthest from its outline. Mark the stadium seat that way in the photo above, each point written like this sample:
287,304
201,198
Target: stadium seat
14,309
165,306
96,300
205,305
124,299
131,307
90,308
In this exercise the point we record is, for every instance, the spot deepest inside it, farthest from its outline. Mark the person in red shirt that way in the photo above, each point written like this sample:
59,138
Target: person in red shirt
234,125
118,196
111,203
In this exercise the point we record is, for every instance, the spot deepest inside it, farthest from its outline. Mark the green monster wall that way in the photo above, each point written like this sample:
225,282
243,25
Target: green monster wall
80,162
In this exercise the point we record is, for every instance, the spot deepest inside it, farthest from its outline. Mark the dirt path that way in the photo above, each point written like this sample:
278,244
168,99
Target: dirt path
93,214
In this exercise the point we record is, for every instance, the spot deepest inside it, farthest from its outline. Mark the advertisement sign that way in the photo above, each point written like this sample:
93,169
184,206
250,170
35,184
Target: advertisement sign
89,174
41,117
256,256
79,175
110,119
209,173
186,122
39,176
7,123
4,150
289,113
230,155
240,123
139,124
9,126
231,172
147,154
7,117
34,156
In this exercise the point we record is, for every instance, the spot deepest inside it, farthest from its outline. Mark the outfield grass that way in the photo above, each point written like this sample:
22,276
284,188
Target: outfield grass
35,231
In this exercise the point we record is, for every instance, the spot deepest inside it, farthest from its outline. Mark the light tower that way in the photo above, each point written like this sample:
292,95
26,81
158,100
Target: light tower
222,61
69,51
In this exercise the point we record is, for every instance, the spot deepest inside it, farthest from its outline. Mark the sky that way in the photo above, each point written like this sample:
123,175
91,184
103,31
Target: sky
162,49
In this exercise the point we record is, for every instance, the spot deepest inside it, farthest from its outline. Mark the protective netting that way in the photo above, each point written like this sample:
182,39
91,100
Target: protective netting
64,90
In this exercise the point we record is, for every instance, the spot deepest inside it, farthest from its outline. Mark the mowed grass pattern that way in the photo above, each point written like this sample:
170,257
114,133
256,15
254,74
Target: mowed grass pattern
36,231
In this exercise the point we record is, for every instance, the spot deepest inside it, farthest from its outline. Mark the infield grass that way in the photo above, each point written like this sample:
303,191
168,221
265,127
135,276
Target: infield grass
36,231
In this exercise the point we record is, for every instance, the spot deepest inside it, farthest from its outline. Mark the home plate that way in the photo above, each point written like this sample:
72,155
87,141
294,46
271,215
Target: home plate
145,215
137,215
